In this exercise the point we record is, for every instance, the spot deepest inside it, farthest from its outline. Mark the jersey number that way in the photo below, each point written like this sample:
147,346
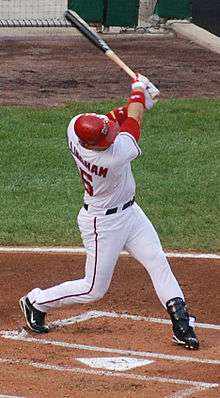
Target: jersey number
87,181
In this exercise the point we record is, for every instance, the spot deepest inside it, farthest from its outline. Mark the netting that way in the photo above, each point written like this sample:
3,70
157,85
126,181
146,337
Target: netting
33,12
46,13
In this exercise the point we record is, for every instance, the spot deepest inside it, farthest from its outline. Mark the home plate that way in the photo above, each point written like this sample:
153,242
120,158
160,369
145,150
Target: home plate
116,363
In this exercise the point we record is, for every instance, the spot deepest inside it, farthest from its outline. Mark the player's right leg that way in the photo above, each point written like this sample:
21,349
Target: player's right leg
145,246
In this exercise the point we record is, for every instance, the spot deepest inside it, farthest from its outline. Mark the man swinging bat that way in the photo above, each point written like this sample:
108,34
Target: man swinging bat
110,220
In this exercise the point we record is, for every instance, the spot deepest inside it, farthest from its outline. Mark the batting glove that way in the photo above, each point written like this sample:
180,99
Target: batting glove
152,90
149,86
140,82
149,102
143,82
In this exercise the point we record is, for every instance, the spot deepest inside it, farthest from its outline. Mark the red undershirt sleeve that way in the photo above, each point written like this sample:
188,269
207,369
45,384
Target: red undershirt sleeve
131,126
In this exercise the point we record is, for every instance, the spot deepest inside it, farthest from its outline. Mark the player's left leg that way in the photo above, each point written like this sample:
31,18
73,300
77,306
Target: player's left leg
144,245
103,237
103,247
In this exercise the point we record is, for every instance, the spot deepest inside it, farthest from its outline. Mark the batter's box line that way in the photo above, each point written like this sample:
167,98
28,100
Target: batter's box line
196,385
100,314
22,335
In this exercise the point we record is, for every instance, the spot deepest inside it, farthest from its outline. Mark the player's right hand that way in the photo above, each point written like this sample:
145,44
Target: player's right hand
144,83
140,81
151,92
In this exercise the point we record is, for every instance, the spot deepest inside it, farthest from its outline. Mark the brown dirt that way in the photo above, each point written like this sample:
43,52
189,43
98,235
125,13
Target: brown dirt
131,292
56,70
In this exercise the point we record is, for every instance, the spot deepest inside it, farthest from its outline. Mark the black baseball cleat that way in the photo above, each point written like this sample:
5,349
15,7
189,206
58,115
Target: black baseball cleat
35,319
183,324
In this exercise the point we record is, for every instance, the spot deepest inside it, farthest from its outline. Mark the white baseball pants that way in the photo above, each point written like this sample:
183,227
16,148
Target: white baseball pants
104,237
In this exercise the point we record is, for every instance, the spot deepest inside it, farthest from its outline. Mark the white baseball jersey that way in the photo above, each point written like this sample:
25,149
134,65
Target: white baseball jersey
106,175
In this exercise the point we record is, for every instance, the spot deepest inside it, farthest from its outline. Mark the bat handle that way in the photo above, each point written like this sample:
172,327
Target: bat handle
120,63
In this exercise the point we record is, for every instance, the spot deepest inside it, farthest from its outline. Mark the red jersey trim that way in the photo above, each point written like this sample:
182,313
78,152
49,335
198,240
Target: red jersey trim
119,114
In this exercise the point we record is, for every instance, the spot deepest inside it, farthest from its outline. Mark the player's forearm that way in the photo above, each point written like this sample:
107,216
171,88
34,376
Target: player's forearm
136,111
136,105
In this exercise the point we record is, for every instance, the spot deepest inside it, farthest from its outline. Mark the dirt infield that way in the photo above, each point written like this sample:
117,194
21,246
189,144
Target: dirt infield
56,70
53,71
50,365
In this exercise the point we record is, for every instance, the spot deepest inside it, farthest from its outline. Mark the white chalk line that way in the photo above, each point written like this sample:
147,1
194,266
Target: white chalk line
81,250
23,336
96,314
10,396
131,376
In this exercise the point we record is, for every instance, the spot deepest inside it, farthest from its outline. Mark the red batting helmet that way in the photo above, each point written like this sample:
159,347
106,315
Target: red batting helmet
96,130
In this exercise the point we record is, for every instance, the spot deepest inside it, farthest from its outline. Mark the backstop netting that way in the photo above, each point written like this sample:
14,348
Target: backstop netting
46,13
33,12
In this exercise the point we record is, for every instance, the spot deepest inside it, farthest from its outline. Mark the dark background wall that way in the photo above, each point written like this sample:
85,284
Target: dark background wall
206,13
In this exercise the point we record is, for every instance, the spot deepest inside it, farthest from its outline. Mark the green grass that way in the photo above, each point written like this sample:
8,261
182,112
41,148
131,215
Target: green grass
177,185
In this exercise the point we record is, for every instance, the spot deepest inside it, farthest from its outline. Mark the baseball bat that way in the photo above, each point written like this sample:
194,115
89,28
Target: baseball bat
76,21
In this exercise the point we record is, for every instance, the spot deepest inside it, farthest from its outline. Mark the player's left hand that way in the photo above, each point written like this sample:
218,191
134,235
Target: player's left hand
152,90
149,102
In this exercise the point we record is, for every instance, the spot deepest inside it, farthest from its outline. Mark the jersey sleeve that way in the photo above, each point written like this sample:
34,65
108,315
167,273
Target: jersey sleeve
125,149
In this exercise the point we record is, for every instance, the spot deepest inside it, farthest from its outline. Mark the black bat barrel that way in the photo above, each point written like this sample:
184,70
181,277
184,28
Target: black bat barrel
92,36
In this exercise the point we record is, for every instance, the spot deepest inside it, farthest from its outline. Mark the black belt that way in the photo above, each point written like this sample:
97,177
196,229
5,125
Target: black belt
115,209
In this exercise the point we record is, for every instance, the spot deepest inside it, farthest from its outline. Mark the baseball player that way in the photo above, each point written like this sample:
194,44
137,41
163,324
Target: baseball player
103,147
